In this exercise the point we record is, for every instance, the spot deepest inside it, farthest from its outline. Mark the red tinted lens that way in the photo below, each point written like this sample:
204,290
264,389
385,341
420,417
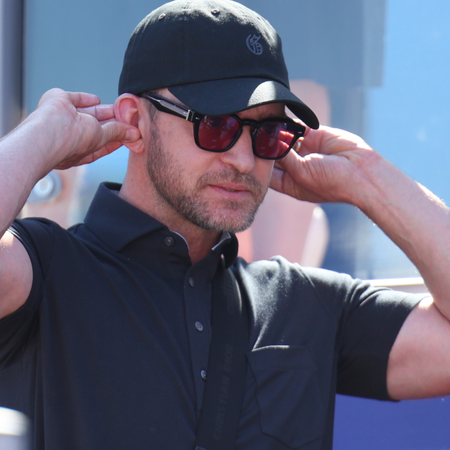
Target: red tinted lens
274,139
217,132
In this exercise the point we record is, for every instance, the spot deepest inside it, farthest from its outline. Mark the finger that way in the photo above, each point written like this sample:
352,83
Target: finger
100,112
119,132
289,159
83,99
298,145
78,99
280,174
104,151
113,136
312,142
282,182
328,141
276,182
88,159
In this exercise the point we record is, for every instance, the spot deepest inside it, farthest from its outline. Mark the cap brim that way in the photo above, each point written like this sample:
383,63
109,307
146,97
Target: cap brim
232,95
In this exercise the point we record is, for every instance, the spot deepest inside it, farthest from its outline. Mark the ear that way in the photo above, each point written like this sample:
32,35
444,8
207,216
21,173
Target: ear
128,108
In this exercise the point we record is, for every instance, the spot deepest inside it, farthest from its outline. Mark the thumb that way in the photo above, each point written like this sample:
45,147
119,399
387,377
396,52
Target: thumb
120,132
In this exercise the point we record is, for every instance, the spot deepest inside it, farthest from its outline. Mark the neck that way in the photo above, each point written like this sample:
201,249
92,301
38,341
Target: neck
200,241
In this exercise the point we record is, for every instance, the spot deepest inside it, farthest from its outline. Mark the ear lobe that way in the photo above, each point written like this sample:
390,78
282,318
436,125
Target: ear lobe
127,109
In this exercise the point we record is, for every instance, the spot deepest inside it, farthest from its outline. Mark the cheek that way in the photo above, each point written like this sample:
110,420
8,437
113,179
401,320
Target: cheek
192,163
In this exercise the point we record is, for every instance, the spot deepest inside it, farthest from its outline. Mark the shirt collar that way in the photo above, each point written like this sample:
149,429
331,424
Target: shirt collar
117,223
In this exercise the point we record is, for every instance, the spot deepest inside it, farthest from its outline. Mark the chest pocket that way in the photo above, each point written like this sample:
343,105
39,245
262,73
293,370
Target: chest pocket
288,394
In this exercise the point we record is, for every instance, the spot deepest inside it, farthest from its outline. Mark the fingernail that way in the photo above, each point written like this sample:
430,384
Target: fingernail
131,135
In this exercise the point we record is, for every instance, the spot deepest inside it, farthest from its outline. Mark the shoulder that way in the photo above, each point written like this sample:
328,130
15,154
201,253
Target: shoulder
34,229
283,277
41,232
50,247
343,297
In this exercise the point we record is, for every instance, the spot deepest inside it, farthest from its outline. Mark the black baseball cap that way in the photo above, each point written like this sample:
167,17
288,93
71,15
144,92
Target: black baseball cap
216,56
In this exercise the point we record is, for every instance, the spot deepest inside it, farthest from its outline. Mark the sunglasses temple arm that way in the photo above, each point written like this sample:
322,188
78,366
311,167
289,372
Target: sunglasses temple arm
171,108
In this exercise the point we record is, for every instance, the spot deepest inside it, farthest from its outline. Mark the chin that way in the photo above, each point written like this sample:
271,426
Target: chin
231,221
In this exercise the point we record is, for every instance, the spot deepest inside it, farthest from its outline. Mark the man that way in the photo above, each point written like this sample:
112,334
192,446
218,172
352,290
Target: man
106,328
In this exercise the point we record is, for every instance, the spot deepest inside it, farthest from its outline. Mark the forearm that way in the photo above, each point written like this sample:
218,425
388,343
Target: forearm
415,219
24,159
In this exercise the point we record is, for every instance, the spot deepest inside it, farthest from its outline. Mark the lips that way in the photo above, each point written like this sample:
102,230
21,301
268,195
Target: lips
231,183
231,192
231,187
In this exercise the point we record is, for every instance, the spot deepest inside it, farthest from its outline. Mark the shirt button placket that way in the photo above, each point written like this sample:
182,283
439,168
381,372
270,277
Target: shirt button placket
196,294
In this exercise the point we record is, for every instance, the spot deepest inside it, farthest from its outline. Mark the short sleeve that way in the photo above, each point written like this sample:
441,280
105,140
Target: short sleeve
19,328
367,338
369,320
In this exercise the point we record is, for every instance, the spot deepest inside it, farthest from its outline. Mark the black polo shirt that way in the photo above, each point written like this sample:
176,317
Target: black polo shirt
110,351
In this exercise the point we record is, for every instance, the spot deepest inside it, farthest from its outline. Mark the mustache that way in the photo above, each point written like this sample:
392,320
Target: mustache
234,176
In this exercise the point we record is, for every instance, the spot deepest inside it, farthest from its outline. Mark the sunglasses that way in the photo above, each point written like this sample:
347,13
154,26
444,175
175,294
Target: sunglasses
271,138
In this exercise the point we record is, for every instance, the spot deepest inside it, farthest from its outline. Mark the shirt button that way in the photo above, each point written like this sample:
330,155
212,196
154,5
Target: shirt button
191,282
203,374
169,241
199,326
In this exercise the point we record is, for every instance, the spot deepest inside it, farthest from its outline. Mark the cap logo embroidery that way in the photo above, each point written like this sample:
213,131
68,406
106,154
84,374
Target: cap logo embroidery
253,44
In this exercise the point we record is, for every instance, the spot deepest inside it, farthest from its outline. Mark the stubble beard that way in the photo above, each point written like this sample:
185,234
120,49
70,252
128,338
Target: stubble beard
167,178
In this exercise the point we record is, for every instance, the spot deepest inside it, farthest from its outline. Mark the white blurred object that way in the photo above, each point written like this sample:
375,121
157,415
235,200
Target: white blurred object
46,189
14,430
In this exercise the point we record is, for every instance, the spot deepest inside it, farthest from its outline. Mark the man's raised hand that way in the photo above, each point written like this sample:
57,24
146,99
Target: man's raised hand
329,166
78,129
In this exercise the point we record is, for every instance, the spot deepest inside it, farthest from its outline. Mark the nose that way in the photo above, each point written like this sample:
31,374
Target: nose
241,156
